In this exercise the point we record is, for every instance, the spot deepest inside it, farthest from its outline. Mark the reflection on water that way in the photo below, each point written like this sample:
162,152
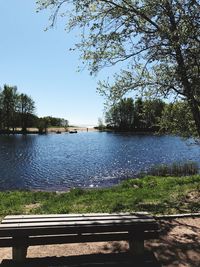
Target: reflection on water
59,162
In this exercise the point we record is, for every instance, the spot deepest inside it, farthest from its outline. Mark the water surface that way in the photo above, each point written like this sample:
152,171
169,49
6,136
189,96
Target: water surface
93,159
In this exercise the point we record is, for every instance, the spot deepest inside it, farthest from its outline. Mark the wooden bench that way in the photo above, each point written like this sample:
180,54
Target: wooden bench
21,231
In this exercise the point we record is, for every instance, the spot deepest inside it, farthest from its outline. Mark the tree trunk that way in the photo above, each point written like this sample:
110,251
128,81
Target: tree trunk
182,70
194,107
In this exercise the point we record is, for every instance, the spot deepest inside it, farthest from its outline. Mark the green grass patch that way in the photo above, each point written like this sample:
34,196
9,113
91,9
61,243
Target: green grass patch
157,195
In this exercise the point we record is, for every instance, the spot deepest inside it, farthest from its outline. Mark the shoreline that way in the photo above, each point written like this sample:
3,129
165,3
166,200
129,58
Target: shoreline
78,129
49,130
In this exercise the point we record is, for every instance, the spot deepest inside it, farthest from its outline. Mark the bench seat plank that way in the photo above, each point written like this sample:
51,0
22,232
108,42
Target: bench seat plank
77,215
95,219
126,223
79,220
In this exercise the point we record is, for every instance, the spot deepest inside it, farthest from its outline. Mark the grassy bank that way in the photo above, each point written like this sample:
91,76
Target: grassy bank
157,195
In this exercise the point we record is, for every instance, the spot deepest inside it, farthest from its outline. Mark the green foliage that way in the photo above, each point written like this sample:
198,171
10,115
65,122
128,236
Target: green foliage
101,126
56,122
8,107
121,115
152,112
42,125
16,110
177,119
127,115
152,193
45,122
26,107
155,43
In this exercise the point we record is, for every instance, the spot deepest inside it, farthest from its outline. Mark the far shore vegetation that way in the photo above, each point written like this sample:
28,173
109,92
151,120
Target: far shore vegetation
154,194
17,114
143,115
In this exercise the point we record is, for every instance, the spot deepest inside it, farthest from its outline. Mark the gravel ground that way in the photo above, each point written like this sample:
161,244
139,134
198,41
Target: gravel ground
178,245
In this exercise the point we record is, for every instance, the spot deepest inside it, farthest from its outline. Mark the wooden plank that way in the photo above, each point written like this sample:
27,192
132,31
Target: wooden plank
78,223
77,218
65,219
63,229
72,238
6,242
59,215
79,239
64,239
140,214
177,216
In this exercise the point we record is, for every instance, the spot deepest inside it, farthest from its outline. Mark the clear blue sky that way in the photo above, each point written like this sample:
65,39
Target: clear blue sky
40,64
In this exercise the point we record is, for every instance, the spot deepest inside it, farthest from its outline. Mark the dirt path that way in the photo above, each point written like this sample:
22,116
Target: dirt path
179,245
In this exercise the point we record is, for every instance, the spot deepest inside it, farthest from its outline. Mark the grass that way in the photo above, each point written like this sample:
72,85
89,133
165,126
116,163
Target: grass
157,195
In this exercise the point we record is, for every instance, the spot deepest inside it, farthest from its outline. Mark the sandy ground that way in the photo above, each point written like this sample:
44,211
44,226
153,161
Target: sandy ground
63,130
79,129
178,245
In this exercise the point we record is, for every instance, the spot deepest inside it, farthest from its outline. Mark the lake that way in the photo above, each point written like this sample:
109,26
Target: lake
93,159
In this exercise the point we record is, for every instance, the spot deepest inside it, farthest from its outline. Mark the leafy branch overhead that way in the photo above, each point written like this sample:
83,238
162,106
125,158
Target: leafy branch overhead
155,42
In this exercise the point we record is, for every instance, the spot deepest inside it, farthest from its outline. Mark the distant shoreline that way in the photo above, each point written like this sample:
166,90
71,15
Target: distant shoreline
79,129
71,128
49,130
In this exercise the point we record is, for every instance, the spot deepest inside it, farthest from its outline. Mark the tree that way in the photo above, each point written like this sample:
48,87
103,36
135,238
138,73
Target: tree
101,125
141,115
152,112
16,110
26,107
56,122
9,107
1,111
158,39
121,115
42,125
177,119
65,124
138,114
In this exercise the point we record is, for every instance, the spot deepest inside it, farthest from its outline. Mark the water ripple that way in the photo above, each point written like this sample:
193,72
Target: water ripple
59,162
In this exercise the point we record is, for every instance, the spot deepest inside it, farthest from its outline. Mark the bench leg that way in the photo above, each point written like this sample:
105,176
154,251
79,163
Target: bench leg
19,253
136,245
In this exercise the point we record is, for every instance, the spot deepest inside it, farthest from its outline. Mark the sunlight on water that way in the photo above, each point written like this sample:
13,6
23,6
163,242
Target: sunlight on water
60,162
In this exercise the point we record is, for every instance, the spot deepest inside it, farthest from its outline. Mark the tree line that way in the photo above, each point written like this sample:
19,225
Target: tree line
151,115
17,111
